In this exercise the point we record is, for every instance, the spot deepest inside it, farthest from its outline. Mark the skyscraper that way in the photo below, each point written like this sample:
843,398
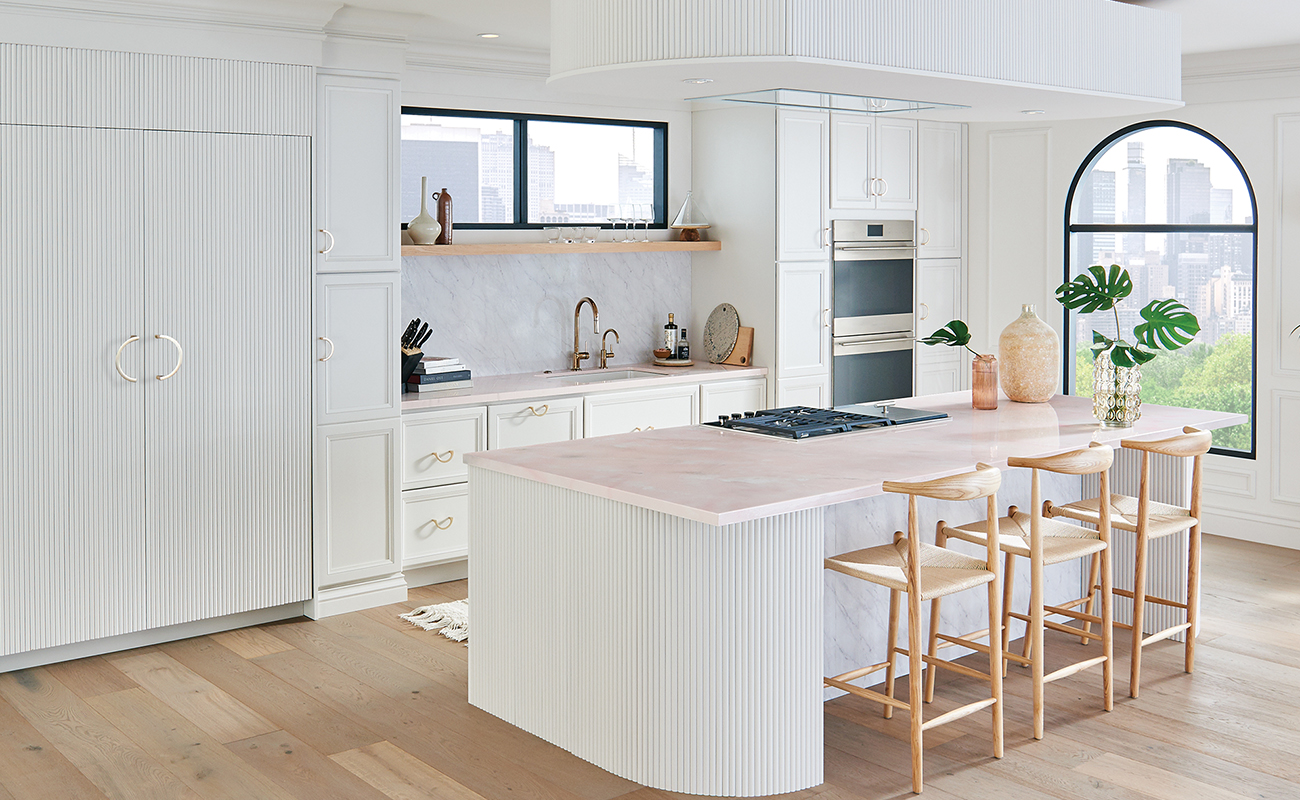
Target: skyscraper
1103,213
1187,200
1136,213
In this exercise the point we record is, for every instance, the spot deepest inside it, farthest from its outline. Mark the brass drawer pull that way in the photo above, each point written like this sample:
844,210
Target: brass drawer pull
646,428
443,525
539,413
440,456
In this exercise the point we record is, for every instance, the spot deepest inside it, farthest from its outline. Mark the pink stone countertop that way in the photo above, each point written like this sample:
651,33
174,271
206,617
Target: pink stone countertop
538,385
720,477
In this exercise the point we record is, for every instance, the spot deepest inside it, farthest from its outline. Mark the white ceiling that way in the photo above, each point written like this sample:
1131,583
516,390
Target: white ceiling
1208,25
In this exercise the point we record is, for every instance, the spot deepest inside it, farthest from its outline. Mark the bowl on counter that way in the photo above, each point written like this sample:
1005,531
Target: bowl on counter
663,352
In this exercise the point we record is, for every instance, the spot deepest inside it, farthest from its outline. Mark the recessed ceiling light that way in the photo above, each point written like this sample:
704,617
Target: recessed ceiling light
1033,111
697,80
489,36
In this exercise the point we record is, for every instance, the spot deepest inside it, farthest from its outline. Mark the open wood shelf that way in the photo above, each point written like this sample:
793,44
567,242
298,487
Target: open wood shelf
520,248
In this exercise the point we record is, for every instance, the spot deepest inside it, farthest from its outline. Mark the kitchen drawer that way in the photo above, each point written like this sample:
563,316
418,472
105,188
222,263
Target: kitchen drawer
436,441
732,397
625,412
538,422
435,525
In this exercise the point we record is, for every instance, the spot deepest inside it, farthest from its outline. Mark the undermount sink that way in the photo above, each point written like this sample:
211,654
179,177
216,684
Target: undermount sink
603,375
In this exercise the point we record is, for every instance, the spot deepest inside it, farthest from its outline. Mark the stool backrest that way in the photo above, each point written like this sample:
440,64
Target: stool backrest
1087,461
983,482
1191,442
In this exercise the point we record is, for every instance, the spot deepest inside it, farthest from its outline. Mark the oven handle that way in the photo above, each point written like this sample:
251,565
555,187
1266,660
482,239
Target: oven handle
858,347
868,253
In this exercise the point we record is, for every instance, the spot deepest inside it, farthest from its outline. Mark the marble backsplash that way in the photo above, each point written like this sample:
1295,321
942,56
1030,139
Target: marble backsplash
505,314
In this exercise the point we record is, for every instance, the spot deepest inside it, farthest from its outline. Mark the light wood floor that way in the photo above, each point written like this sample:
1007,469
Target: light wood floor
365,706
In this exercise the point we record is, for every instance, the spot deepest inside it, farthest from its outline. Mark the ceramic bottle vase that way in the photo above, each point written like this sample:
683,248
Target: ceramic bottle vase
444,216
424,229
1030,355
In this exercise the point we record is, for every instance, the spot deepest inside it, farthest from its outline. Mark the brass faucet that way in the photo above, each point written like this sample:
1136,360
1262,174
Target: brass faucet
606,353
579,355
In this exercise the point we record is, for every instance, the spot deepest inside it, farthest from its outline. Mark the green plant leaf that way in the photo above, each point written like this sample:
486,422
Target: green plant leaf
954,334
1169,325
1098,289
1100,343
1127,355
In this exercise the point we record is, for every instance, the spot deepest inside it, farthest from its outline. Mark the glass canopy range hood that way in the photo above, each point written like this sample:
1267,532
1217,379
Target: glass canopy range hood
826,101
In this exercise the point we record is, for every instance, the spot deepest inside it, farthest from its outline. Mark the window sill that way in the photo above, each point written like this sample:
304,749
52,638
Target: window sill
542,248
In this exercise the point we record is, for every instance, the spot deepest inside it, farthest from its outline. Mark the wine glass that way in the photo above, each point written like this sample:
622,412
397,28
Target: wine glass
647,216
628,210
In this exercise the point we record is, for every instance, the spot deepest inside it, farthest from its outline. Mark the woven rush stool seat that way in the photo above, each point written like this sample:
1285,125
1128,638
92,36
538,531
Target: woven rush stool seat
1061,540
942,571
1164,519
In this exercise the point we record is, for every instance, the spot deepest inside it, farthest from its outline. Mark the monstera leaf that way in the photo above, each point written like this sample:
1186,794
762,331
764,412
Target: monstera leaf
1098,289
1124,354
1169,325
954,334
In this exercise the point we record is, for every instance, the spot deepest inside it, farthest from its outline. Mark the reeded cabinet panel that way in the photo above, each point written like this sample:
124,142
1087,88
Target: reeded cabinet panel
228,424
72,430
357,371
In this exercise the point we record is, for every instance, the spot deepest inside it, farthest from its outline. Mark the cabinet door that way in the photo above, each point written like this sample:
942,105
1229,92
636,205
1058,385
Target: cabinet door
941,373
853,140
357,501
814,392
435,525
538,422
357,167
732,397
803,314
435,444
895,164
358,376
228,399
941,192
801,150
72,430
628,412
938,297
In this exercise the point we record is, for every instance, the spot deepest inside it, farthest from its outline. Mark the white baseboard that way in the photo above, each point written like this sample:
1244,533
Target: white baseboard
438,573
130,641
357,596
1248,527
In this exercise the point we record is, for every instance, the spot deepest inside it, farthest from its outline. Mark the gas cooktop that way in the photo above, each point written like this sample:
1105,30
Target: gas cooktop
802,422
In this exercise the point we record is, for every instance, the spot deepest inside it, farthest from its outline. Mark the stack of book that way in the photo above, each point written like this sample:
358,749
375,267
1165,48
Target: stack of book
438,374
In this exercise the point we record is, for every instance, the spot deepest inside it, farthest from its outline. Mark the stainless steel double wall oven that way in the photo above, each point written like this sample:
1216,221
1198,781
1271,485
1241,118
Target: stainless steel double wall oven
874,299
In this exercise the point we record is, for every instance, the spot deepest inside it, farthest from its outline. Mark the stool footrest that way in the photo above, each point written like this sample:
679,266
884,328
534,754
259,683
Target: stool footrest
964,641
948,665
1056,626
868,693
854,674
1069,612
1165,634
1150,599
1080,666
958,713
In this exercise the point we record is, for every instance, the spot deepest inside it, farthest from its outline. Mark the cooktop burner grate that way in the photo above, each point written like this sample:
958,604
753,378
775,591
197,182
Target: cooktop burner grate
802,422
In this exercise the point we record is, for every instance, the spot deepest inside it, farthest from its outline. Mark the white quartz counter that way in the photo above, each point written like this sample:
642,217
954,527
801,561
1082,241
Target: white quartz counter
540,385
720,477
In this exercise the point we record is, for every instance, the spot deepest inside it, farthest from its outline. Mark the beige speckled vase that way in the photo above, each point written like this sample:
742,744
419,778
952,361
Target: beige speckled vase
1030,355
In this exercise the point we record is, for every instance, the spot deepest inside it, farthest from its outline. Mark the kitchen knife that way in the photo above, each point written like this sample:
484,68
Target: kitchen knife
419,342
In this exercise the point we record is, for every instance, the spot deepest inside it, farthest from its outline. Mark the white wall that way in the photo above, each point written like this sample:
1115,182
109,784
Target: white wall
1019,178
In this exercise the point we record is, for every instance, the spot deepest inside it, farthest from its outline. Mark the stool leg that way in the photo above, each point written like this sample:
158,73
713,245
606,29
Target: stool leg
1107,631
893,643
931,671
1139,606
1193,594
1009,568
1093,567
1036,629
996,665
915,664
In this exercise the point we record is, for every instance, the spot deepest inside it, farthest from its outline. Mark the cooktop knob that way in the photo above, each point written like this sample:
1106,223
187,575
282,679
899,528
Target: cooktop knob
723,418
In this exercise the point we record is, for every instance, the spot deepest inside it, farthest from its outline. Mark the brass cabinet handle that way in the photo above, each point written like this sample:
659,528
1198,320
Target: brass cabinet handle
646,428
327,340
117,360
884,186
443,525
926,314
926,240
180,355
448,455
329,246
537,413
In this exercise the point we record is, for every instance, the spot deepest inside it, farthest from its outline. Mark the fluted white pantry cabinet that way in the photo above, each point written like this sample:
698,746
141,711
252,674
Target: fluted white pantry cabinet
155,302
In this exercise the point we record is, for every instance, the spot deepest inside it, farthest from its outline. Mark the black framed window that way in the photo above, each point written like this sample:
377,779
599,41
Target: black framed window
1173,205
533,171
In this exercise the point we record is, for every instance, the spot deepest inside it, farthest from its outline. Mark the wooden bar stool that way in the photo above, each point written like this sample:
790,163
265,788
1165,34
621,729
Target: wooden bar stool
1045,542
925,572
1151,520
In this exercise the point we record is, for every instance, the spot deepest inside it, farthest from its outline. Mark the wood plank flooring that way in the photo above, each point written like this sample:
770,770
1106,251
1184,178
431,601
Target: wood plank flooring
366,707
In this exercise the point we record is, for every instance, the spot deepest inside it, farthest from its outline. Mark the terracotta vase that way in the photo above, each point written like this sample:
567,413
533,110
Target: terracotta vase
1030,352
444,216
984,383
424,229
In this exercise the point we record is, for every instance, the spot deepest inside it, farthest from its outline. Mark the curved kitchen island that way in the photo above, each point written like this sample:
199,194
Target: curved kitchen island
653,602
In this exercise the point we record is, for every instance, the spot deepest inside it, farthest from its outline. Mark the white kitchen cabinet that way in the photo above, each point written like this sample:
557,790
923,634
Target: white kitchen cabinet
803,314
937,374
358,376
358,164
539,422
939,293
436,443
732,397
801,177
814,392
645,409
873,162
940,212
358,465
435,525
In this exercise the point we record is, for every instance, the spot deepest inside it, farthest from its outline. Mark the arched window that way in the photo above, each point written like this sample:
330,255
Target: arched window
1170,203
